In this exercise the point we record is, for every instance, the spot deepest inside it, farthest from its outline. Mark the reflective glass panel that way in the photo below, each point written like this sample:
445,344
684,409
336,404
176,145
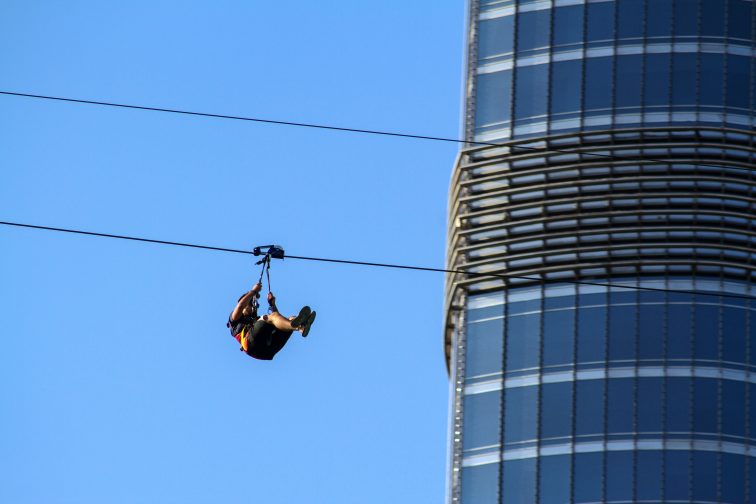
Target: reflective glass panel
533,29
589,414
591,334
712,66
518,485
600,21
751,318
679,344
706,341
520,414
629,78
568,25
733,334
660,23
705,402
678,404
751,410
650,393
480,484
656,87
598,83
555,479
712,18
649,476
733,407
622,328
733,478
558,330
738,78
704,476
620,408
684,78
651,332
566,86
556,410
589,468
481,419
739,19
686,17
532,87
630,18
493,98
523,341
676,475
495,36
619,476
483,347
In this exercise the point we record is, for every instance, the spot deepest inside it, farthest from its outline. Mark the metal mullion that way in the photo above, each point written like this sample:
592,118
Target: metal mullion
636,386
605,446
539,400
502,403
665,379
692,386
720,355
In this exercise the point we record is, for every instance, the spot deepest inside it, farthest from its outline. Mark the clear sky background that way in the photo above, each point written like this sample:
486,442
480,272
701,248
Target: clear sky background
119,381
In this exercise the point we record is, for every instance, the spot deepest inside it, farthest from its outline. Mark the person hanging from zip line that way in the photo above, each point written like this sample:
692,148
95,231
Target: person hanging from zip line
263,337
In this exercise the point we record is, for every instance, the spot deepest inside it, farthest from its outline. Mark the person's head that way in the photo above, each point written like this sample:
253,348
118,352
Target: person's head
248,311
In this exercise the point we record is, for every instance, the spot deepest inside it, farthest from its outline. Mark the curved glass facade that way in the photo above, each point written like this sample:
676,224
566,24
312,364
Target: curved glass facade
625,156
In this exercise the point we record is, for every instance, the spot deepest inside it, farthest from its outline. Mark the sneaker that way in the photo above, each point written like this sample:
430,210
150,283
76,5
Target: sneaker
308,324
301,319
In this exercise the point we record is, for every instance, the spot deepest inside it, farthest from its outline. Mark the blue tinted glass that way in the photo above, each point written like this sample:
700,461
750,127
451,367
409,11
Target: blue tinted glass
520,414
630,16
518,485
566,86
676,475
622,327
619,476
651,332
751,317
712,65
493,97
656,87
712,18
679,331
589,405
705,401
524,306
733,481
738,77
533,29
558,330
733,407
752,411
686,17
649,476
483,347
621,400
588,470
704,476
629,78
739,19
678,404
598,83
733,334
480,484
481,419
600,21
523,341
556,410
660,23
684,79
591,330
495,36
568,25
532,87
650,404
555,479
706,341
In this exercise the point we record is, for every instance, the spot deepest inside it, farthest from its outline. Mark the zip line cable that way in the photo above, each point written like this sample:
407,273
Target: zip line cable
379,265
339,128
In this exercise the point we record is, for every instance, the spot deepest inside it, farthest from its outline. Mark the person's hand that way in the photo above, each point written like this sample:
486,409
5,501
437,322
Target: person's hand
257,288
271,299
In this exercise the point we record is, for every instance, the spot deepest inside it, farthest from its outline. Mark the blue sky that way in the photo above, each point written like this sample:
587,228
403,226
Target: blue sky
119,382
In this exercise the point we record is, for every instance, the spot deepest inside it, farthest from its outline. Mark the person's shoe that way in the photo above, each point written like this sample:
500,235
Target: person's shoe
308,324
301,319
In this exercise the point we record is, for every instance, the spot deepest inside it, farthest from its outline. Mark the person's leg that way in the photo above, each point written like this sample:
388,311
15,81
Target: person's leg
279,322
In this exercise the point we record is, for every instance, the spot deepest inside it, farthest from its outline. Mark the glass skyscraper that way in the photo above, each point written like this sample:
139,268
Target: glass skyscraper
615,143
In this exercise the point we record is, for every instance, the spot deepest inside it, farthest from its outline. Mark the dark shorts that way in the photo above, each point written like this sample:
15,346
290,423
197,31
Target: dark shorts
266,341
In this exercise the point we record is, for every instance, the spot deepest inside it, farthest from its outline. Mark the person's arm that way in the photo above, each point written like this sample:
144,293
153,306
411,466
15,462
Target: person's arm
244,301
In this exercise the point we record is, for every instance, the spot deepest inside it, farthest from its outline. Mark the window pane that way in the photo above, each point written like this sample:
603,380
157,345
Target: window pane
752,411
712,65
533,29
751,317
619,478
481,420
660,23
680,327
622,320
600,21
589,414
555,479
630,17
733,407
733,334
704,476
738,77
649,484
739,19
650,404
591,330
523,341
556,410
686,17
621,399
565,86
532,85
707,332
651,332
483,347
684,79
480,484
588,470
520,414
598,83
629,78
705,401
495,36
733,480
518,485
568,25
712,18
657,79
493,97
558,329
676,476
678,404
